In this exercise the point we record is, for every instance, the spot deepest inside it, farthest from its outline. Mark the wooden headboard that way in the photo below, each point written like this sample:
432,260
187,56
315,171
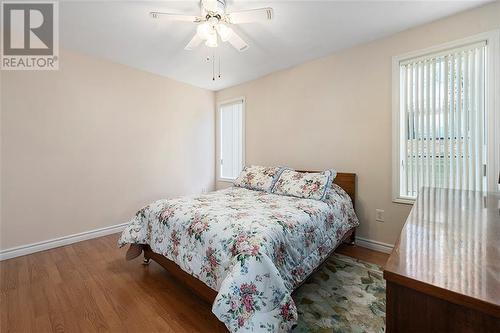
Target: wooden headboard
345,180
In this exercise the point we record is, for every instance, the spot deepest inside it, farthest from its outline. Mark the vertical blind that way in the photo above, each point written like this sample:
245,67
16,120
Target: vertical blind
231,139
442,105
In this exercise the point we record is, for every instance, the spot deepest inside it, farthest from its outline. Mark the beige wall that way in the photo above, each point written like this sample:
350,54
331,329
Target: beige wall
86,146
336,112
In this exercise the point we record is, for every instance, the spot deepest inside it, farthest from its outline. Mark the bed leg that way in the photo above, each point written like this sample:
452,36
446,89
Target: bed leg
352,238
147,259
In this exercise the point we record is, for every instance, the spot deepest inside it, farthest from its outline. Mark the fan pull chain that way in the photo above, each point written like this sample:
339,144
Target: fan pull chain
219,66
213,65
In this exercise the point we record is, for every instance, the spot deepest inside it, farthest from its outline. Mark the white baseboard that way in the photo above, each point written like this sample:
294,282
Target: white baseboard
374,245
61,241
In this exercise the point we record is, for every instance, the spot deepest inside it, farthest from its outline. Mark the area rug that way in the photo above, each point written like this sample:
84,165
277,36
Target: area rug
345,295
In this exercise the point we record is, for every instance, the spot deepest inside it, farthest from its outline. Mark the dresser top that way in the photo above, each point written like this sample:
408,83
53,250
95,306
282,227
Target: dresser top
450,248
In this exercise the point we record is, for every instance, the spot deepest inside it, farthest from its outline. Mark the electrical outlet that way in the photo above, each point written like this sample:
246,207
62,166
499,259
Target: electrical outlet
204,190
379,215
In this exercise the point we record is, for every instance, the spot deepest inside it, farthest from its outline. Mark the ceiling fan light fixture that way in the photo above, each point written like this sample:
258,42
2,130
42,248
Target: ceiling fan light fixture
224,31
214,22
204,31
212,40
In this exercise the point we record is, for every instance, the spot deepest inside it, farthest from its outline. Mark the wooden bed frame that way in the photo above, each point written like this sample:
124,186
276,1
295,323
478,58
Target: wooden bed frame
345,180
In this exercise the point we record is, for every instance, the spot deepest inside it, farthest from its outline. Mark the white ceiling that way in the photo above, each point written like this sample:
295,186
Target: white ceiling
124,33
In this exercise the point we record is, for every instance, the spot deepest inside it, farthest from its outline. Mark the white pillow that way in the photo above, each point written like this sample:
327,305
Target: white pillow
308,185
258,178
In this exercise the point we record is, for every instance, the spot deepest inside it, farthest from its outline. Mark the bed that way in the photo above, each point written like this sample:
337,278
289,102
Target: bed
245,251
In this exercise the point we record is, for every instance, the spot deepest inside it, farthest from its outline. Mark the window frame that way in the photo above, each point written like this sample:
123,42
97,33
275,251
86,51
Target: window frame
218,136
492,104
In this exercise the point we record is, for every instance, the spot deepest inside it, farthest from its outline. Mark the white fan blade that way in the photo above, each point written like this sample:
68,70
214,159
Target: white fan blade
252,15
193,43
175,17
237,42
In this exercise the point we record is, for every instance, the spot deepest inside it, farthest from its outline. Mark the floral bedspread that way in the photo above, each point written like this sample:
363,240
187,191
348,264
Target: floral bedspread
252,247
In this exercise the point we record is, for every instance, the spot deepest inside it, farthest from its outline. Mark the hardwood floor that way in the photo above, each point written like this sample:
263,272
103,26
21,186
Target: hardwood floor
88,287
358,252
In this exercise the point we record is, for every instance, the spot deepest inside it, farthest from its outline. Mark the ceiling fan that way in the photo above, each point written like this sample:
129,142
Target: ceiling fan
214,22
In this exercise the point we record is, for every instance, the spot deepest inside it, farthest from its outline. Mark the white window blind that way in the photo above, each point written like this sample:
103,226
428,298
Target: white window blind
231,139
442,120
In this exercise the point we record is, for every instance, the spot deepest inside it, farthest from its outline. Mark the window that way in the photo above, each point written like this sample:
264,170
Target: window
444,117
231,139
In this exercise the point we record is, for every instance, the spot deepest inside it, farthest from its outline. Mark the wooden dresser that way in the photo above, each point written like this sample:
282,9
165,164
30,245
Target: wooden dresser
444,272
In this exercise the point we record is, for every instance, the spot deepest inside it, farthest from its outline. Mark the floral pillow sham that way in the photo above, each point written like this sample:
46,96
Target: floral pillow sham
307,185
258,178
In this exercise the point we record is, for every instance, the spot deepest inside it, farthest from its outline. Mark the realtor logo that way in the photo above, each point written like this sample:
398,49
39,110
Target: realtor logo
30,35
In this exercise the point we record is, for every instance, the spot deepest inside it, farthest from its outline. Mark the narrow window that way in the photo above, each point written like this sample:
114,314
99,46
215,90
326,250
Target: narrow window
231,139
